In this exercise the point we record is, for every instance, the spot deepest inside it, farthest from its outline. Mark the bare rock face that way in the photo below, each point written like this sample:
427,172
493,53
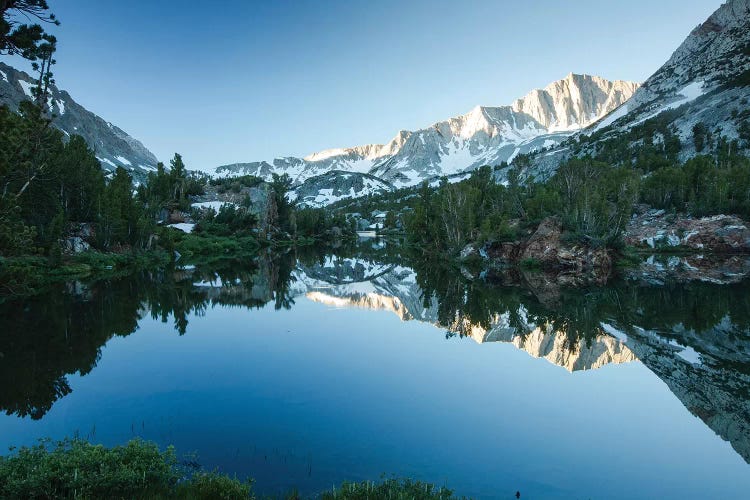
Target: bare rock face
718,234
177,217
544,244
74,245
468,252
79,239
506,252
546,247
718,246
572,102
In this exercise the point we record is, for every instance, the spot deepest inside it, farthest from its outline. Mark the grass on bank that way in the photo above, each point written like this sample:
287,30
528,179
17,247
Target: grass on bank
76,469
28,275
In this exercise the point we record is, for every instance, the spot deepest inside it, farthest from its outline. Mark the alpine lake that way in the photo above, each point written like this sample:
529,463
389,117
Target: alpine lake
305,369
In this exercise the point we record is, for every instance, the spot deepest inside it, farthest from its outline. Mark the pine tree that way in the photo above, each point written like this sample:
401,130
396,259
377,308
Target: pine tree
23,39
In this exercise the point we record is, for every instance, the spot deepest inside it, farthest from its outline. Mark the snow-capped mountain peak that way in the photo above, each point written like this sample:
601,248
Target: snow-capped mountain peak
574,102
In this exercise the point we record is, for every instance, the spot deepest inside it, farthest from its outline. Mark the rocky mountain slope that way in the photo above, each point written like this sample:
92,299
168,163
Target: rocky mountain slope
483,136
112,145
715,54
707,80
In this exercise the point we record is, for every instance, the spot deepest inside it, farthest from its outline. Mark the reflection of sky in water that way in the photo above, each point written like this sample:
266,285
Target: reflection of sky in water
316,395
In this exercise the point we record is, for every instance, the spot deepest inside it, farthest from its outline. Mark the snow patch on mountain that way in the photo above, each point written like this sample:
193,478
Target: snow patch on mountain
612,117
686,95
27,87
108,162
214,205
124,160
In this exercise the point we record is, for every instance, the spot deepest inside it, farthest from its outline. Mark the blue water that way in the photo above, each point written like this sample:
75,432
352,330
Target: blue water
314,395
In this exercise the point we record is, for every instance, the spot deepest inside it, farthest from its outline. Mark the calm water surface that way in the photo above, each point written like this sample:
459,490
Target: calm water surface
304,373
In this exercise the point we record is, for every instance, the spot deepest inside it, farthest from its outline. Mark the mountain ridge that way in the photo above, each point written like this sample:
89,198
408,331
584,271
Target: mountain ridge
484,135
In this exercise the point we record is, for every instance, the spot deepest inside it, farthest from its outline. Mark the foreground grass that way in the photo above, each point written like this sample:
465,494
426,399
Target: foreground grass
394,489
76,469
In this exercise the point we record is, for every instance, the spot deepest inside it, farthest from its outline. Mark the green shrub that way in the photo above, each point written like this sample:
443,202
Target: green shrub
214,486
228,221
73,468
76,469
531,264
191,245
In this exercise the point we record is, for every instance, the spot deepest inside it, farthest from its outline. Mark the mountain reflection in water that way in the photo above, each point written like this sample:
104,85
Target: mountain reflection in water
694,337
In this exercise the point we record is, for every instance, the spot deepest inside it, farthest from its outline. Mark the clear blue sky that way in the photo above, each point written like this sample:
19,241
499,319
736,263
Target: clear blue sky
238,80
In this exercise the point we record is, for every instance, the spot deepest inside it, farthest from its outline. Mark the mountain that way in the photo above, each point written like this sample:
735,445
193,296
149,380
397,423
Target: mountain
706,81
483,136
574,102
112,145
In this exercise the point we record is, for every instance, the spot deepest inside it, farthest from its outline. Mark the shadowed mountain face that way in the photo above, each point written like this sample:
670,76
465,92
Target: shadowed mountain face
695,337
337,185
113,146
484,136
